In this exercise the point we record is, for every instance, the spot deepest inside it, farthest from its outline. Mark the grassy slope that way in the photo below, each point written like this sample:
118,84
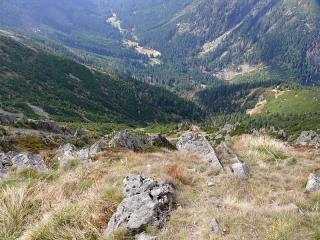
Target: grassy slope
77,200
70,91
294,102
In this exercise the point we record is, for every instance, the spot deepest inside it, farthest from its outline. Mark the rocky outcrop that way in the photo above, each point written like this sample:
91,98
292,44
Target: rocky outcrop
129,140
146,203
308,138
7,120
49,126
313,183
135,142
196,143
16,160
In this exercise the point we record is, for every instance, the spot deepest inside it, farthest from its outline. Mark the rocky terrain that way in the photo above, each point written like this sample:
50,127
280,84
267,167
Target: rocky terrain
143,186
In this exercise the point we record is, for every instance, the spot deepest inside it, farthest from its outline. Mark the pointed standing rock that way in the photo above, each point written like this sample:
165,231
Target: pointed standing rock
196,143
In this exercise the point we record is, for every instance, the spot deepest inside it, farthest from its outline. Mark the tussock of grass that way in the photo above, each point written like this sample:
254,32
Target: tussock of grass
179,173
15,209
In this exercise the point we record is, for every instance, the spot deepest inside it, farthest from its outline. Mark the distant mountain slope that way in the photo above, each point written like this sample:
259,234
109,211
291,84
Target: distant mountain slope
183,44
69,91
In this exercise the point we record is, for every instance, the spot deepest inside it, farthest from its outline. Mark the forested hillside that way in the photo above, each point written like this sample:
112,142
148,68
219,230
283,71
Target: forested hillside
69,91
185,44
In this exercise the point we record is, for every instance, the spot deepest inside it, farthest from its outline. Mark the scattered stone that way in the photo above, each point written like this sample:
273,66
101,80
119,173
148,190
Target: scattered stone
313,184
160,141
144,236
240,170
146,203
211,183
308,138
126,139
196,143
216,227
285,208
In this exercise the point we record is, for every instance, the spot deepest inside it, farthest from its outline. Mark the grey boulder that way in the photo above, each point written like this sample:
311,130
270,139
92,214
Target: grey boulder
313,183
146,203
308,138
195,143
28,160
20,161
240,170
98,147
69,151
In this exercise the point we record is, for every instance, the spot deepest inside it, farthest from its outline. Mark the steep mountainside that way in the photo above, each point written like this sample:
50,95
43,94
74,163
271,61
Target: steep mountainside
69,91
180,43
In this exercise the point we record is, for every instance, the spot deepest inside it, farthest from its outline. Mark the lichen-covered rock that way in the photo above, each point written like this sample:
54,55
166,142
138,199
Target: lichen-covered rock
28,160
146,203
196,143
160,141
68,152
240,170
19,161
98,147
308,138
129,140
313,183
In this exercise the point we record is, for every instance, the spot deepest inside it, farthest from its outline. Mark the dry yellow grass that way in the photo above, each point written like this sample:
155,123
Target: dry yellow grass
76,201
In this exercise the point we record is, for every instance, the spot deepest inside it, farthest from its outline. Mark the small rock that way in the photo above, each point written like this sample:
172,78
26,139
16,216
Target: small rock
144,236
286,208
313,184
211,183
240,170
216,227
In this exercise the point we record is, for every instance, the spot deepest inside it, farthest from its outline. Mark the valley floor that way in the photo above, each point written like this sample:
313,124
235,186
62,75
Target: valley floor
77,200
